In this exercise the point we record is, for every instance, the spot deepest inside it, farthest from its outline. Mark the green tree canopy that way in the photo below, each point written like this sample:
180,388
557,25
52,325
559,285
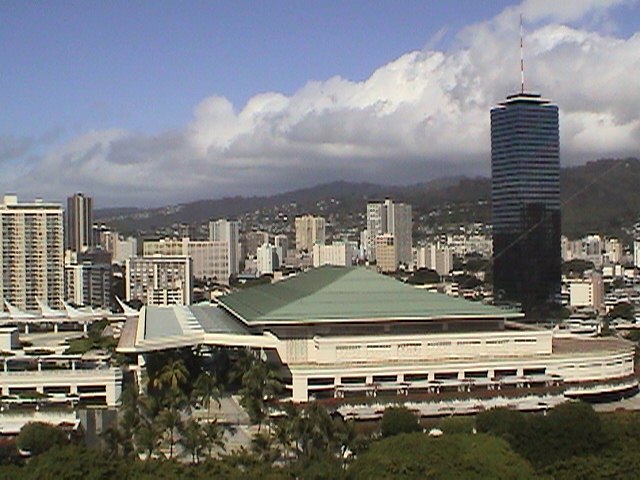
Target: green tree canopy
396,420
455,456
38,437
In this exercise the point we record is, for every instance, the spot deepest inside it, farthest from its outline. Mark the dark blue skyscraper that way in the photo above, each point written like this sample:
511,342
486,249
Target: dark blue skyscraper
525,193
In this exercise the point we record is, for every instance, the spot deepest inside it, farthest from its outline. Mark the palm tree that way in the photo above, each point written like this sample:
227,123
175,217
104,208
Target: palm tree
205,390
173,375
242,363
259,386
285,429
170,421
112,438
262,447
149,406
192,439
213,436
147,438
318,431
347,439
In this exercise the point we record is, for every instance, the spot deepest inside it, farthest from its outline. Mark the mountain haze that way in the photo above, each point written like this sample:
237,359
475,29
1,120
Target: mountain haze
599,197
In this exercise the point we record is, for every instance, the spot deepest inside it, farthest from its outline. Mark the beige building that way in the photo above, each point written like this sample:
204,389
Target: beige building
32,253
309,231
386,253
159,280
210,259
120,248
587,292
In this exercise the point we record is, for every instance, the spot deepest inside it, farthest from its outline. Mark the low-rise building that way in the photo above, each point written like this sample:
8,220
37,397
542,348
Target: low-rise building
337,332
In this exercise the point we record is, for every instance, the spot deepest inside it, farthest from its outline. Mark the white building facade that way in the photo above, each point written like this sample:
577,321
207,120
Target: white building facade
371,334
266,259
340,254
159,280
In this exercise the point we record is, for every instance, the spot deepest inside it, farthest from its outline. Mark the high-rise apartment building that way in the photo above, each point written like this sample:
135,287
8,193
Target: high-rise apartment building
309,231
525,192
436,256
31,253
387,253
159,280
227,231
88,284
79,223
281,242
394,219
266,259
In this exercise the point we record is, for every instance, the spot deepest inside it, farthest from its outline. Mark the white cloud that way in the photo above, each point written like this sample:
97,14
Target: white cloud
423,115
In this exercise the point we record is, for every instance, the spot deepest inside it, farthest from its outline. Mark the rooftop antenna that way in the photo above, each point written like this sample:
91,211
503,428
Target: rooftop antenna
521,59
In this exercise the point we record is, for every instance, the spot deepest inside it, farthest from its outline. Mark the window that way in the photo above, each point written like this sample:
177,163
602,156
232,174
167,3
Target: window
476,374
446,376
385,378
319,381
416,377
352,380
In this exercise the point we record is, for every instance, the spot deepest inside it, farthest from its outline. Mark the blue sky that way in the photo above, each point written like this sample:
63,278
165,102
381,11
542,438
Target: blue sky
90,86
144,65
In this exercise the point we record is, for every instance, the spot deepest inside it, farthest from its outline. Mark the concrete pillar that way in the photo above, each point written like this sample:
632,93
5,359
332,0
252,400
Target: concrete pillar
299,392
85,327
39,365
26,328
55,328
73,364
113,391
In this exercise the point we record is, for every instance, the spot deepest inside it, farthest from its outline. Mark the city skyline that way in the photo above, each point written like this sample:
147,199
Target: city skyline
130,102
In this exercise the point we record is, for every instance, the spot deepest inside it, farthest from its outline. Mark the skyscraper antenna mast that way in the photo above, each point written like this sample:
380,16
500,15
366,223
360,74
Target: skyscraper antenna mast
521,59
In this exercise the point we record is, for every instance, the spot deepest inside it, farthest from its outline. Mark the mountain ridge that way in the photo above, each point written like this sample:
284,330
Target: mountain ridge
601,194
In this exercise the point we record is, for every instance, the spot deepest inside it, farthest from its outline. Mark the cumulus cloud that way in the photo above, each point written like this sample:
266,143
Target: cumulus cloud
423,115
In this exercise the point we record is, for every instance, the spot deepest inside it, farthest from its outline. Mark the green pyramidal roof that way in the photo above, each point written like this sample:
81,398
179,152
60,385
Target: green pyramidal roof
348,294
